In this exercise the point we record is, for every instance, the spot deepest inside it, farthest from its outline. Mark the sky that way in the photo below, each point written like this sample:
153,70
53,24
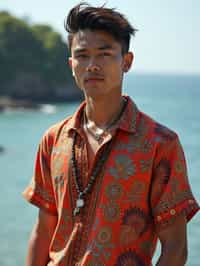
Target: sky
168,40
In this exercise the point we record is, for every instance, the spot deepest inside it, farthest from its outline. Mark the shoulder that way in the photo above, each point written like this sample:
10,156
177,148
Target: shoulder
56,128
156,131
53,132
164,142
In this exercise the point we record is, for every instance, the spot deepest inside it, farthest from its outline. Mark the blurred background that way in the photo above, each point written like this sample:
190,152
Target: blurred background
37,90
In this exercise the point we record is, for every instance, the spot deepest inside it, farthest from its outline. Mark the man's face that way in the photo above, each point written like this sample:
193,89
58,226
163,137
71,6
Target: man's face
97,63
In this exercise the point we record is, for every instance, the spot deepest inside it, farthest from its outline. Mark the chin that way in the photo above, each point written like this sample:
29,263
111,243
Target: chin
94,91
96,95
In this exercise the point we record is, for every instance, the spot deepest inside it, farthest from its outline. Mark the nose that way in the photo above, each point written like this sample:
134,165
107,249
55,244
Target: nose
93,66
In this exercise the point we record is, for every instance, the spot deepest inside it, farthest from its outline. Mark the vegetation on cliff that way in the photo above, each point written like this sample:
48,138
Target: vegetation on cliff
33,62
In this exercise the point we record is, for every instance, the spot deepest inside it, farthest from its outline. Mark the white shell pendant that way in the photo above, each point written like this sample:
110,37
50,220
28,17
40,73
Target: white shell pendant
79,203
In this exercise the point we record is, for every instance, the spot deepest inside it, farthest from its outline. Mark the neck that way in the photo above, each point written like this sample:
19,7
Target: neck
102,111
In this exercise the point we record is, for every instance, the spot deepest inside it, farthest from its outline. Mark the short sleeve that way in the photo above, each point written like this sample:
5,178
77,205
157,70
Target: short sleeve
171,194
40,191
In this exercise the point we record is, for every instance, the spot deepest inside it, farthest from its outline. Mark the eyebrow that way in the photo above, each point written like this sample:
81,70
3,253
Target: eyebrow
80,50
103,47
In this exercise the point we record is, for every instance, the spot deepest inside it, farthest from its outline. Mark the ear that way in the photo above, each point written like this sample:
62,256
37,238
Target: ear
71,65
70,62
128,60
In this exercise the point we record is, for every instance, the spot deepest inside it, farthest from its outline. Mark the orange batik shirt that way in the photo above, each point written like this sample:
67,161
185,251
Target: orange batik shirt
142,188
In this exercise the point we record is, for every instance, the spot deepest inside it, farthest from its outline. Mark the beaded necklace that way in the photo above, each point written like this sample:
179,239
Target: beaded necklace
97,167
102,158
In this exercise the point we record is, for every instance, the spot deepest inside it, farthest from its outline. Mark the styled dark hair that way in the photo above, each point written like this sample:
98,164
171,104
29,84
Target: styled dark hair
83,16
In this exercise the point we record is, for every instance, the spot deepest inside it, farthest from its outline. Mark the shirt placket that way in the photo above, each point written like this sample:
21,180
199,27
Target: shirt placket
84,219
82,163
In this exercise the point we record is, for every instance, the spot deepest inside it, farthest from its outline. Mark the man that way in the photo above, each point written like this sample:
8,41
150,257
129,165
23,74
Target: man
109,181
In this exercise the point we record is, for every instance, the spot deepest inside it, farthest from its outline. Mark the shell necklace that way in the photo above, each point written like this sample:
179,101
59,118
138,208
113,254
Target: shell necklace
98,136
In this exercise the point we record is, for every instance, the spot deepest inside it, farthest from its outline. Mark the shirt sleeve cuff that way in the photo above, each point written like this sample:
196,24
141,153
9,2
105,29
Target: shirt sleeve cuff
188,208
34,198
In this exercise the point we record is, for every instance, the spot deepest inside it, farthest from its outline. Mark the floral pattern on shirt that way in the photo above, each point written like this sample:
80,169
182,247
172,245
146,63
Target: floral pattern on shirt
142,186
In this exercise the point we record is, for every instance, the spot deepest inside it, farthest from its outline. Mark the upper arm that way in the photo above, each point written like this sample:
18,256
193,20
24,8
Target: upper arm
41,190
40,240
46,223
174,237
171,196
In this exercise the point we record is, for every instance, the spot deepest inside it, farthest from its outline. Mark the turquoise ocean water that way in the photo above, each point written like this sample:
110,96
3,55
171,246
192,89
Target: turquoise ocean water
172,100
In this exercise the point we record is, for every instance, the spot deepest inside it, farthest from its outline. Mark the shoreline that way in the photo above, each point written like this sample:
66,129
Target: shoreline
13,104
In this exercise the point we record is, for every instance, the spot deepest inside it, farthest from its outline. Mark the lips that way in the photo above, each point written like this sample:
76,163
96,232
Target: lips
93,79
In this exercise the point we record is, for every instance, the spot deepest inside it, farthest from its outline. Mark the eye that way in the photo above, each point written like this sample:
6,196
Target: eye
106,54
81,56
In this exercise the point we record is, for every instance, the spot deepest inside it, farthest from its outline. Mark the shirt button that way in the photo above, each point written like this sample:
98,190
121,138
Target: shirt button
30,193
159,218
172,212
191,201
46,205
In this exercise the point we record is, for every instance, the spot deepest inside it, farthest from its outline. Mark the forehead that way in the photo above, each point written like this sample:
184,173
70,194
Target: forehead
87,39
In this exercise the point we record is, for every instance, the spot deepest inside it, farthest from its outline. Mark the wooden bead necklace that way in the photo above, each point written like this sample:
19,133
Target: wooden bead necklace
101,160
96,169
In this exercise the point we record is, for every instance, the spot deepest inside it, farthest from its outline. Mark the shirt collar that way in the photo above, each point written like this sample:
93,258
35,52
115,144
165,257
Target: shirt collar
127,122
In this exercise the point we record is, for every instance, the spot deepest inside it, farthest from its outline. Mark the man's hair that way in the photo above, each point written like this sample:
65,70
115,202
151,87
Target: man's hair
83,16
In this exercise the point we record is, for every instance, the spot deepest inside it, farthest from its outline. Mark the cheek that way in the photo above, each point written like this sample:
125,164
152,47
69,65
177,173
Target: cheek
78,75
77,70
115,73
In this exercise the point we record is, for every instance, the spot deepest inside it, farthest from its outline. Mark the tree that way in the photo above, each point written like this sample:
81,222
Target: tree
32,60
19,49
55,68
